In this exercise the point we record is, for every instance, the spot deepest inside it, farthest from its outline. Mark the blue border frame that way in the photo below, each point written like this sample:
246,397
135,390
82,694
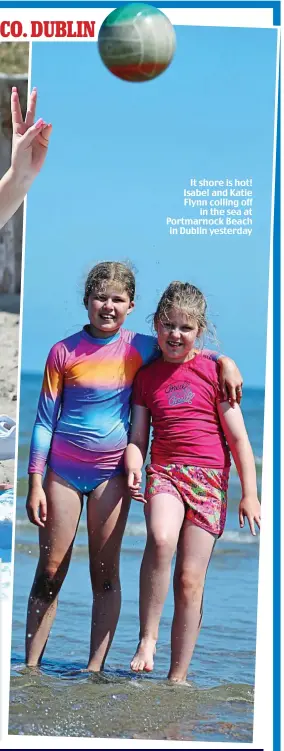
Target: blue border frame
277,447
276,6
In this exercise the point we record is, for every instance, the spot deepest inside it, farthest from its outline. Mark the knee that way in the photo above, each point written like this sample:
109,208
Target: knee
104,579
47,583
189,584
161,545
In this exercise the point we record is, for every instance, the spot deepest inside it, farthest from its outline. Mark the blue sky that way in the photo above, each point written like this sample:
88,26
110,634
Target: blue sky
121,155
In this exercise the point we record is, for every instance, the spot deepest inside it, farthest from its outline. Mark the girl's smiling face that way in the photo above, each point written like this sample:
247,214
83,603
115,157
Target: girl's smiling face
108,306
177,332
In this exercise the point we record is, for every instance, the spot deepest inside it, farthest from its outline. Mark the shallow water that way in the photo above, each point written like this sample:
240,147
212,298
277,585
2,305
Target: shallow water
116,704
60,699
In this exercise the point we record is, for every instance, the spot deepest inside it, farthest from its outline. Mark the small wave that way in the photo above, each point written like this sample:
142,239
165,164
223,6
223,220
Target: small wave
6,512
138,530
135,529
230,692
6,505
243,538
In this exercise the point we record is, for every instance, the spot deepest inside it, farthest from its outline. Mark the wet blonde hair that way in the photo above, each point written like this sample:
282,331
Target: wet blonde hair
188,298
110,271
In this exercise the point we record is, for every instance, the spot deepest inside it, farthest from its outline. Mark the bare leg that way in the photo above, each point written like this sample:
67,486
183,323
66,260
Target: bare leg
107,512
164,517
64,505
194,552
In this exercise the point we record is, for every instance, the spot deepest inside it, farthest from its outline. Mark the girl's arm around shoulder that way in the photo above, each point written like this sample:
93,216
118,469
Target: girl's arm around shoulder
147,346
136,450
230,378
237,438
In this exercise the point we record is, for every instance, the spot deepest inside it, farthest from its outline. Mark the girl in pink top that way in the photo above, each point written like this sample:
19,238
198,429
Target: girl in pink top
186,490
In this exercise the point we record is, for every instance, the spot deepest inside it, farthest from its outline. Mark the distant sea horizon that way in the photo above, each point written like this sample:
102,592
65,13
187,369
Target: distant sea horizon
39,374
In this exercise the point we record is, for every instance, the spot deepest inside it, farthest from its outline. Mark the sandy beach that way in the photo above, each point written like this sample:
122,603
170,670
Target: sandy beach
9,347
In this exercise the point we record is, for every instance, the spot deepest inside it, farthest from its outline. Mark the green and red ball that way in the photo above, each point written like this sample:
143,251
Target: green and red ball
136,42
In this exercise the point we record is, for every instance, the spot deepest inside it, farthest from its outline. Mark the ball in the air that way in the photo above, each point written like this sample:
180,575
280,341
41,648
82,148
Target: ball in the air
136,42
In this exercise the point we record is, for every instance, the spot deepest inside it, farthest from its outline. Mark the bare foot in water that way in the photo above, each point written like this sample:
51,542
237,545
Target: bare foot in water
144,656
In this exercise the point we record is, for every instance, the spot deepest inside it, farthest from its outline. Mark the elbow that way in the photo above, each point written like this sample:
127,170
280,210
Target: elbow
238,444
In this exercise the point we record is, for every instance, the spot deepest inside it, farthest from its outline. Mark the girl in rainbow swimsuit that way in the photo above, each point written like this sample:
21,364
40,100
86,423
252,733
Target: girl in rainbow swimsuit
79,438
186,489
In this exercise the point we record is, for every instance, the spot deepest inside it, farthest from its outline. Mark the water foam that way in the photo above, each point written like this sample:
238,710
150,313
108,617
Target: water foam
6,505
138,529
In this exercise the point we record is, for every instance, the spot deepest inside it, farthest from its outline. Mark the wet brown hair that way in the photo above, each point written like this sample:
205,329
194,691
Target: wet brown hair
188,298
110,271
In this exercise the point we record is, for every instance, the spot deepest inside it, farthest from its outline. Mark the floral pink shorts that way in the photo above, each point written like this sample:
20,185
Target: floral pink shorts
202,490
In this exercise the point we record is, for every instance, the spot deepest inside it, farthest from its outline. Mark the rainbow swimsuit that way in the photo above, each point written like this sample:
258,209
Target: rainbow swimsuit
82,422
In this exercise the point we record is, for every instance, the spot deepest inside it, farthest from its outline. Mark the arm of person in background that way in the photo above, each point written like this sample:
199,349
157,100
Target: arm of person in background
230,378
46,419
237,438
136,451
29,149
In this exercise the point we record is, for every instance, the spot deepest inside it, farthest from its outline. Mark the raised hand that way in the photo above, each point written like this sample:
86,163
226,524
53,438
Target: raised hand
30,139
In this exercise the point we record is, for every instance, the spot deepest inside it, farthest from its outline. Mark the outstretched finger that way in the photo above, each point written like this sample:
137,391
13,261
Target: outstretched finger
239,393
251,525
232,396
138,497
223,388
36,520
17,120
31,108
43,511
